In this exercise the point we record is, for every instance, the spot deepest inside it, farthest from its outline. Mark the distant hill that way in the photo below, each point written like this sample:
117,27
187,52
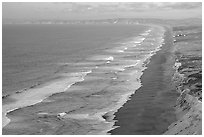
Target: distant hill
190,21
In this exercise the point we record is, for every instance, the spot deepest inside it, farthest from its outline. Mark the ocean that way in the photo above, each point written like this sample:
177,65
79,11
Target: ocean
80,74
32,53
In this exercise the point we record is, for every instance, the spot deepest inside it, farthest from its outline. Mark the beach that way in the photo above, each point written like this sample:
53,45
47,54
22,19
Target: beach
102,68
177,98
124,89
73,99
150,109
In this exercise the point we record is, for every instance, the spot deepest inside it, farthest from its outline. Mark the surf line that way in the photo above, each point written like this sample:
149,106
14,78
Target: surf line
144,66
38,94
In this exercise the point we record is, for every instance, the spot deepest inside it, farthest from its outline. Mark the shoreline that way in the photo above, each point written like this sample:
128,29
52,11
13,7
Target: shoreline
96,115
55,86
133,111
150,103
15,101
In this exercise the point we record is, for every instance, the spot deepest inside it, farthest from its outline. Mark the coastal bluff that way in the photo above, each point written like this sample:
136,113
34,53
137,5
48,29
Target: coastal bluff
188,81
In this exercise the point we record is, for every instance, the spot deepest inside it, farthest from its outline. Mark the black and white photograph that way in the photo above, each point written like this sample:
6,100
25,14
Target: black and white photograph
101,68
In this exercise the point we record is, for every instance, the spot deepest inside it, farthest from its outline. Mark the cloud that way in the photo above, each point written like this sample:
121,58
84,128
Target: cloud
187,5
162,5
129,6
68,10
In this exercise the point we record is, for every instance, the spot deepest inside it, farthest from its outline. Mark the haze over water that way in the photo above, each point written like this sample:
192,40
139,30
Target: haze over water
63,78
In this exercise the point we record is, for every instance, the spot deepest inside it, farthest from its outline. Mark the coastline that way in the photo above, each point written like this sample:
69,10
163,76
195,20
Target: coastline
40,92
150,109
105,115
185,77
24,103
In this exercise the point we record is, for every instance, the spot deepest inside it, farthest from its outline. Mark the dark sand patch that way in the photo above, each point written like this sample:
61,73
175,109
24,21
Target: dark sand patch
87,106
150,110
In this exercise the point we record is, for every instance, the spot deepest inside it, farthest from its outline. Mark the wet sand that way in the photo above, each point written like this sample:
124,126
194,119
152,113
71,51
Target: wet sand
150,110
85,108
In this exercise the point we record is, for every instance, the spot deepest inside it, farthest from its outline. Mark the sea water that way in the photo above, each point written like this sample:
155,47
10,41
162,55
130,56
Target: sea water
32,53
78,72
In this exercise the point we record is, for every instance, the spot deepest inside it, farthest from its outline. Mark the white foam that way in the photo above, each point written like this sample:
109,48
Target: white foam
111,58
133,84
61,114
43,113
97,116
108,62
38,94
114,68
131,65
102,57
145,34
138,40
123,98
120,51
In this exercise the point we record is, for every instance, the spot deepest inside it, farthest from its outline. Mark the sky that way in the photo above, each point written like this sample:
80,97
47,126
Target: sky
99,10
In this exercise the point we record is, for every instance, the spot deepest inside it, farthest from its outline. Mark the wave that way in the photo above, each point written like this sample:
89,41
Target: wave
127,73
113,68
115,51
111,58
38,94
101,58
104,115
138,40
145,34
132,65
120,49
148,31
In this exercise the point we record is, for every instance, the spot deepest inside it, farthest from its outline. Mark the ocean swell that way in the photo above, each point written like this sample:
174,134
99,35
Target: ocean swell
111,79
35,95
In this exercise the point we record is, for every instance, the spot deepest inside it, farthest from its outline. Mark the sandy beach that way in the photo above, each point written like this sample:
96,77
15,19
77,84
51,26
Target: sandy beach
138,91
102,68
150,110
75,102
